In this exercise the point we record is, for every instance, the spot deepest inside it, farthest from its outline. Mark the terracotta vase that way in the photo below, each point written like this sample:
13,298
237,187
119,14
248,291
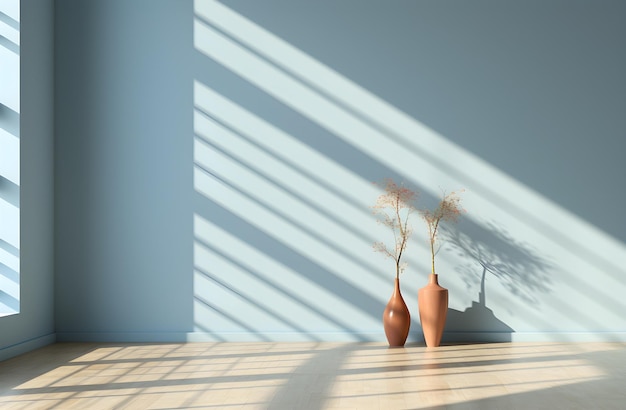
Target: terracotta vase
396,318
432,301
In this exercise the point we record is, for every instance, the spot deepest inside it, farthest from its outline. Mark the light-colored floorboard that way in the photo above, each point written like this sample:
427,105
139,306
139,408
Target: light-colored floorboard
316,376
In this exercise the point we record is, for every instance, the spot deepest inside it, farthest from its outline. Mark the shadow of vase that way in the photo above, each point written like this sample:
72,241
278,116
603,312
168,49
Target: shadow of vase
477,323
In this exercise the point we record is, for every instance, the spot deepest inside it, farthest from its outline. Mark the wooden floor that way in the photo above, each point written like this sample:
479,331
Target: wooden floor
316,376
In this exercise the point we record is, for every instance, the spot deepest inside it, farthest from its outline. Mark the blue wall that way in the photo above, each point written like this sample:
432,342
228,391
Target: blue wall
214,166
122,167
34,325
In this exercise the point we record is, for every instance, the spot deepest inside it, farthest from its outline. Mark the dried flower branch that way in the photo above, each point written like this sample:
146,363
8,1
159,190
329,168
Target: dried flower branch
393,209
448,210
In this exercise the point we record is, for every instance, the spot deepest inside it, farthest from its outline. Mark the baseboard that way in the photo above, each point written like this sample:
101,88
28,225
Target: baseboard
123,337
26,346
499,337
179,337
286,337
578,337
414,337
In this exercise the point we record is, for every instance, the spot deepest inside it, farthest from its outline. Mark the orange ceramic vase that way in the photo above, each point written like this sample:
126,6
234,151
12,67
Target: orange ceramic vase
432,301
396,318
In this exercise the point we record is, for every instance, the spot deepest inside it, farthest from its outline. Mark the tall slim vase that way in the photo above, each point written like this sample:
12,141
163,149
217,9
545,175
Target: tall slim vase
396,318
432,301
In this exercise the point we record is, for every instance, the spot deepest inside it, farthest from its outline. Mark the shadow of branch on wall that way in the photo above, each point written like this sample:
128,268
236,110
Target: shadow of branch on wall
522,270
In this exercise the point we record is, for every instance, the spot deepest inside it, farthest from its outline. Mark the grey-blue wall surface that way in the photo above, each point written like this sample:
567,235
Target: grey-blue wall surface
123,180
33,326
215,160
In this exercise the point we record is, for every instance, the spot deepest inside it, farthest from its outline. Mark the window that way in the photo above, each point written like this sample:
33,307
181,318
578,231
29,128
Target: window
9,157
